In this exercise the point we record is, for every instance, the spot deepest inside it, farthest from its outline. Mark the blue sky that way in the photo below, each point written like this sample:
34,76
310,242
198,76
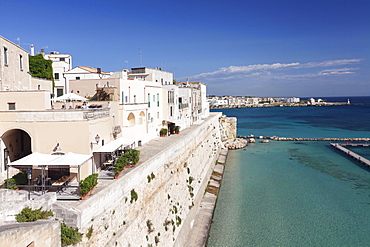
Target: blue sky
257,48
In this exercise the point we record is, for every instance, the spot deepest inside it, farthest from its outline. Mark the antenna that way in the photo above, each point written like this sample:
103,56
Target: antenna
126,65
141,57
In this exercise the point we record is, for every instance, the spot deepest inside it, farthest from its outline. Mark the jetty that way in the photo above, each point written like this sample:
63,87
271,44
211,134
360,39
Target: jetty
350,153
276,138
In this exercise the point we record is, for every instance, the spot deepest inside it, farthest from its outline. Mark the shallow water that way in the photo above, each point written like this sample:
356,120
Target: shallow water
293,193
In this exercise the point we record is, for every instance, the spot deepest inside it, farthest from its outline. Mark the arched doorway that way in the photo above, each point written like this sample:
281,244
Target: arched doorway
16,144
131,119
142,117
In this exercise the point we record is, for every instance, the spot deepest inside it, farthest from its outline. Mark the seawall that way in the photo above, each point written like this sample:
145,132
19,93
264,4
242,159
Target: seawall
156,202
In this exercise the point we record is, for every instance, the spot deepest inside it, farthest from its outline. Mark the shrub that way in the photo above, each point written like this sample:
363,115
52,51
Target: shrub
133,196
28,214
163,132
132,155
88,184
21,178
89,232
70,235
9,184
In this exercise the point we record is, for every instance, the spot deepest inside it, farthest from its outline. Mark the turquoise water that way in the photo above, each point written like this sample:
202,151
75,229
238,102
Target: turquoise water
294,193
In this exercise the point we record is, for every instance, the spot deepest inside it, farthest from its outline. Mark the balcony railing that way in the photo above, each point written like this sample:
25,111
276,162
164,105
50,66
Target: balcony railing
55,115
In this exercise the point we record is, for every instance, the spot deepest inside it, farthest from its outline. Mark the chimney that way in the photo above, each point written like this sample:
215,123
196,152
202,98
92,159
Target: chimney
32,50
98,70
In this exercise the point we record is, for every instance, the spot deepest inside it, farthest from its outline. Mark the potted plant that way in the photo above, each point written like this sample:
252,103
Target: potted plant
88,185
163,132
177,129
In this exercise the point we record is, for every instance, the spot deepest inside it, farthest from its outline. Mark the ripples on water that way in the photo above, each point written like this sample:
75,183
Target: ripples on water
294,193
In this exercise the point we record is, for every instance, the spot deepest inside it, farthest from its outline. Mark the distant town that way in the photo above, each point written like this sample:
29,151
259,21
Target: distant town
221,102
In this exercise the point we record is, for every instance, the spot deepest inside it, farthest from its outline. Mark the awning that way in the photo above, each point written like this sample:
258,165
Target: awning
70,159
34,159
38,159
114,145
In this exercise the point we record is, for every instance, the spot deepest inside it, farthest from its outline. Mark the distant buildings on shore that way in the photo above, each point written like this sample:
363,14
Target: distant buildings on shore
245,101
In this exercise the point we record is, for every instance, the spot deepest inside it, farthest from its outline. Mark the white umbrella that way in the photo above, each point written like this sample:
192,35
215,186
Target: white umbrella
70,96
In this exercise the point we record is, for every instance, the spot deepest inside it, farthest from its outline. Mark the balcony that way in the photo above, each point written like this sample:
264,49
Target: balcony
135,106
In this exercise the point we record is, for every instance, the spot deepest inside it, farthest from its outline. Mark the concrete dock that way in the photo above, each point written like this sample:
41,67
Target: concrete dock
350,153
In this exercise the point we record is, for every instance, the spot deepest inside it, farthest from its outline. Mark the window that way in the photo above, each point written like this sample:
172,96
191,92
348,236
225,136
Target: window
11,106
134,99
148,116
157,114
21,62
157,99
78,78
59,92
171,113
148,101
126,99
5,56
62,59
153,98
56,76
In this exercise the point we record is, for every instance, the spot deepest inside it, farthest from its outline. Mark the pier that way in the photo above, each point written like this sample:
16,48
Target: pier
357,157
277,138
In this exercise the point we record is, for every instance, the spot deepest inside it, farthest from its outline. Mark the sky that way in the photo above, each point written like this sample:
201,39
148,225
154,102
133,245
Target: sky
305,48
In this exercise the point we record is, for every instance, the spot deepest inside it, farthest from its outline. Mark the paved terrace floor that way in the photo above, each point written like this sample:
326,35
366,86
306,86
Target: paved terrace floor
147,151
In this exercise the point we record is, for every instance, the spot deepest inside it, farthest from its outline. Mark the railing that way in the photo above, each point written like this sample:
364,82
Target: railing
55,115
183,105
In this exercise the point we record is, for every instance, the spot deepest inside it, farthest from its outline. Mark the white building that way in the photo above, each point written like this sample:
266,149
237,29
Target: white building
61,64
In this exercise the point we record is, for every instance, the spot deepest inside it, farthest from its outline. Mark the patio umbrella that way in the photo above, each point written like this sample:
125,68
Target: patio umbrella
70,96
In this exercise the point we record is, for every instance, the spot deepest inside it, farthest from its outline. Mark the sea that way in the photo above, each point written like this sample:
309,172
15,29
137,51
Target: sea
297,193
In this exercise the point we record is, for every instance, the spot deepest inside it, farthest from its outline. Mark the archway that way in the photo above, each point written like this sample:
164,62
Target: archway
142,117
17,145
131,119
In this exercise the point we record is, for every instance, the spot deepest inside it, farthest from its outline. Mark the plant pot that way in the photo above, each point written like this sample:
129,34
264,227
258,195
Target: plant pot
84,197
162,135
177,132
116,176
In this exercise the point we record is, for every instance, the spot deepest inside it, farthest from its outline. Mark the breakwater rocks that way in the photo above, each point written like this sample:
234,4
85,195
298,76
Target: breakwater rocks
276,138
236,143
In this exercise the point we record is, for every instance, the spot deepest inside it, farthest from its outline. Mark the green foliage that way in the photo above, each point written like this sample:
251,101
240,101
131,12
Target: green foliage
88,184
191,179
178,220
131,156
28,214
156,239
177,128
149,224
41,68
89,232
9,184
70,235
133,196
163,132
21,178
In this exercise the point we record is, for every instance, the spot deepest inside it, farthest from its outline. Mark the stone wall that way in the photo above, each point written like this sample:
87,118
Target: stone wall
169,187
12,202
38,233
228,125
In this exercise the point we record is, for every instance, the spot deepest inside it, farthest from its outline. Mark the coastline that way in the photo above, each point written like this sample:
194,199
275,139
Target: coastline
279,105
199,234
